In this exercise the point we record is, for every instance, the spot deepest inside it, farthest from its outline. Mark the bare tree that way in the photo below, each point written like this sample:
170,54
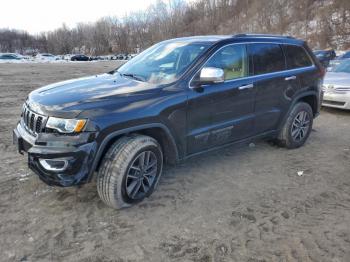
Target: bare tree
324,23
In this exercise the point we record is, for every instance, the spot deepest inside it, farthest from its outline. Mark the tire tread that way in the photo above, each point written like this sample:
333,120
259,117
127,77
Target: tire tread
284,139
113,167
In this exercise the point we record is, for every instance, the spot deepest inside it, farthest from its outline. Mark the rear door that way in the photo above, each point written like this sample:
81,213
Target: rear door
273,85
300,65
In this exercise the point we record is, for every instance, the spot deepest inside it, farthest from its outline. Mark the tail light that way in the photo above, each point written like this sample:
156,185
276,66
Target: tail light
322,71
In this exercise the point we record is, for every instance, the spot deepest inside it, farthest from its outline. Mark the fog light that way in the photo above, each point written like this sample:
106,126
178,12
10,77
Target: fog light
54,164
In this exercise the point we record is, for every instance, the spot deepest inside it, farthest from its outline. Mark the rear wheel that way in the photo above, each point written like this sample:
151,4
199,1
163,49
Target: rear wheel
129,171
297,127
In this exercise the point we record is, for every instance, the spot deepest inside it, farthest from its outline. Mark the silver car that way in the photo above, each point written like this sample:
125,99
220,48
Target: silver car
336,86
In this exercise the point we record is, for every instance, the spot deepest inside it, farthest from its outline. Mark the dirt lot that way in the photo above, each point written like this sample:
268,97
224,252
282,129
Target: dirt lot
239,204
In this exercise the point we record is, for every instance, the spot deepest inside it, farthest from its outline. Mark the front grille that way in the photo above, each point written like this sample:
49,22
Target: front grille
342,89
336,89
34,123
336,103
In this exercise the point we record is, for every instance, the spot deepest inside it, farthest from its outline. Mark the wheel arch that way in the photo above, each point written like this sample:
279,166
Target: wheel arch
309,97
157,131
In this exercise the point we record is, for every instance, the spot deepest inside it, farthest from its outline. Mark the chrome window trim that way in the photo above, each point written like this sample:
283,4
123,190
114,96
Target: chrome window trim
254,76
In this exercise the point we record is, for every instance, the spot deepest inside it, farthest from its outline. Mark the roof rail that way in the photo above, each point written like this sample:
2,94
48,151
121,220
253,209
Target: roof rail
262,35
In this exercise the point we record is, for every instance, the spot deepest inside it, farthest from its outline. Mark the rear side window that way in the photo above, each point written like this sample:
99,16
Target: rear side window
267,58
296,57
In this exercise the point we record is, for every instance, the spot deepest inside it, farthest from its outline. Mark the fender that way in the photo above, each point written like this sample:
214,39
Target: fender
114,134
295,100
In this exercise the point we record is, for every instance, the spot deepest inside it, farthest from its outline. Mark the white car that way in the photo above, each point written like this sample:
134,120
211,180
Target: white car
131,56
336,86
46,57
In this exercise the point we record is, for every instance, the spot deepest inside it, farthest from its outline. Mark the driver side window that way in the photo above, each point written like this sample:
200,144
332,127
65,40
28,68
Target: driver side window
232,59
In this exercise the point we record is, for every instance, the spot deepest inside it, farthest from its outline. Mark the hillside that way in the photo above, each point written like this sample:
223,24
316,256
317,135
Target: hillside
323,23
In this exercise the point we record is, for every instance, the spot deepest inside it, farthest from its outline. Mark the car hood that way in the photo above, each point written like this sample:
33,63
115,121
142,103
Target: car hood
337,79
69,98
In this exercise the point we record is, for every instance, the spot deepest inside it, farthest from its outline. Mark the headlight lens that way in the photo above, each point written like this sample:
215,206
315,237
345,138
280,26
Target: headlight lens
66,125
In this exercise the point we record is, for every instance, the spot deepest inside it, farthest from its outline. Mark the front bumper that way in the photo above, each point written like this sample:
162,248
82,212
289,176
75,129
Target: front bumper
336,100
78,150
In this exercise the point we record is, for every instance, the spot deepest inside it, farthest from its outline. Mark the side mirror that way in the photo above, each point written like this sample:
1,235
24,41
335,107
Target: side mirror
210,75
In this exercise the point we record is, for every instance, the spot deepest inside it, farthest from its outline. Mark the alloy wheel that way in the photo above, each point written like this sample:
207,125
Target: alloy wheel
141,175
300,126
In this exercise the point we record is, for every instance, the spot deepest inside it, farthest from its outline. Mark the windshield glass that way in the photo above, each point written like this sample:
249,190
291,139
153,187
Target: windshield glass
343,67
163,63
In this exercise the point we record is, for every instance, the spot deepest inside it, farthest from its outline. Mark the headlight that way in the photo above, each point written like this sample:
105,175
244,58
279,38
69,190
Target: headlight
66,125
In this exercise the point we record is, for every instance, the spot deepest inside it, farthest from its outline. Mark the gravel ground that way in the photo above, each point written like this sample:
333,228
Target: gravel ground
238,204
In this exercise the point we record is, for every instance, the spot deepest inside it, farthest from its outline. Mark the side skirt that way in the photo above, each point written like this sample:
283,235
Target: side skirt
268,134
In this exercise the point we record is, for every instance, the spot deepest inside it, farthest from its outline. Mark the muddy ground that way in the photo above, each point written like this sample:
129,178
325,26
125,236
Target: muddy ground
238,204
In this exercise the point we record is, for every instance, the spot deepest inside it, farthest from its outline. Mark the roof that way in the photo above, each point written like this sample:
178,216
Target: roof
200,38
264,36
238,38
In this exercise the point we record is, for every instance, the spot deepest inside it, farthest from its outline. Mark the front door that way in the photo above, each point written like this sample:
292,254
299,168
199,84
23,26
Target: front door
220,113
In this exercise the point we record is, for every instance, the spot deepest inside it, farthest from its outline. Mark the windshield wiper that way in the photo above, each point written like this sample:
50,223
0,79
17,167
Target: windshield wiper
136,77
112,72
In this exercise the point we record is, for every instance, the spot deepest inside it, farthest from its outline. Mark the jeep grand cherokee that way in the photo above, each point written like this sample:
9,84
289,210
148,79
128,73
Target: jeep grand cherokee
179,98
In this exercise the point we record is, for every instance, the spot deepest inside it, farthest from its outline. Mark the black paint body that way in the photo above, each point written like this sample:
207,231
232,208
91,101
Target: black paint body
187,120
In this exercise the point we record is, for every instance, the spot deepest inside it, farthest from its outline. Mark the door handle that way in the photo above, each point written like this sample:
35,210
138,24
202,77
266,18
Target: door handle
246,86
290,78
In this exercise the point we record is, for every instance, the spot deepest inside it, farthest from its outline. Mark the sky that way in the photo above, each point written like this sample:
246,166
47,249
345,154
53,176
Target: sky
36,16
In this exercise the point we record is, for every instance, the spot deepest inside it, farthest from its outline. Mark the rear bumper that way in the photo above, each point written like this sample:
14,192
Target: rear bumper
336,100
78,151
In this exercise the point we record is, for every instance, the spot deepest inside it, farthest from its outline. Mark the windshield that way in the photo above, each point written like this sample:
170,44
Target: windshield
343,67
163,63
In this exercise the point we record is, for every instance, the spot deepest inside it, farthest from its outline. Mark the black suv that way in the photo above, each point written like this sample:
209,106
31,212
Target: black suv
177,99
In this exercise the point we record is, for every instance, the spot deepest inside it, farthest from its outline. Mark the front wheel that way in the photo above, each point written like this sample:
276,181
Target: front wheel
129,171
297,127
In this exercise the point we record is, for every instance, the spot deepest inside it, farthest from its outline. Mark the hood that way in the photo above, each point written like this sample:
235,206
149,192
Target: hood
71,97
337,79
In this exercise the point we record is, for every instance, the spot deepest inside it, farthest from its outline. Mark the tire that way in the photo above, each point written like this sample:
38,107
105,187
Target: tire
121,171
289,136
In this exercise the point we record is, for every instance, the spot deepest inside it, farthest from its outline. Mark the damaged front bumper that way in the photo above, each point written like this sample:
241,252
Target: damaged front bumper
59,160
